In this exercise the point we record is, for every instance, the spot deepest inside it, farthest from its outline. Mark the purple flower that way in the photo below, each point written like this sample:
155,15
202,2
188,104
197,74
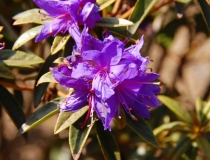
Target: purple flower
68,15
105,76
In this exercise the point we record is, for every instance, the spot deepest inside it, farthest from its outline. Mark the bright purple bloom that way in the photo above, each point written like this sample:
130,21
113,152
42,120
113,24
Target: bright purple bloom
105,76
68,15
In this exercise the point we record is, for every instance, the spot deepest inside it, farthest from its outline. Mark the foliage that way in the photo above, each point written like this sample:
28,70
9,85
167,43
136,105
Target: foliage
185,137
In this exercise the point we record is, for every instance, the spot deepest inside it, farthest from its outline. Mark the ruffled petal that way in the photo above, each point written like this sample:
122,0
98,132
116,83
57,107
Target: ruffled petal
148,94
63,76
111,106
75,101
54,8
102,87
52,29
89,15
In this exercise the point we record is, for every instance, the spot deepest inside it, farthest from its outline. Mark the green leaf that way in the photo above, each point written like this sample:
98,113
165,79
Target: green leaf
40,90
198,108
40,115
30,16
27,36
103,4
6,73
120,122
204,145
18,58
206,113
142,128
176,108
78,137
182,146
205,9
172,126
12,107
141,10
66,119
59,42
47,77
107,143
113,22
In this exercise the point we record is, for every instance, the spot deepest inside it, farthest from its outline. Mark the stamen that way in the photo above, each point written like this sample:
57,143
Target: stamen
149,69
126,40
119,117
152,83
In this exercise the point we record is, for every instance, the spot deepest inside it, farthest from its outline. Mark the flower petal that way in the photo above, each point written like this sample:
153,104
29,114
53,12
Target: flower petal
54,8
89,15
52,29
75,101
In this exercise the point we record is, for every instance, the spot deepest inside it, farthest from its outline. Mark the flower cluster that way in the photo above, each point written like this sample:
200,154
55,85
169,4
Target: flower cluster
67,16
105,75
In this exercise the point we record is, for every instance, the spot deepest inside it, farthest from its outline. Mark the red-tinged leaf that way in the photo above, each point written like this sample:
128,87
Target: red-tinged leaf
107,143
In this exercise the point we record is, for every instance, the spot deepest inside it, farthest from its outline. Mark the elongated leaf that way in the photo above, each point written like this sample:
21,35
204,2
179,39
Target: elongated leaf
206,113
29,12
198,107
59,42
104,4
107,143
205,9
142,8
171,126
66,119
40,90
142,128
176,108
204,145
27,36
182,146
18,58
5,72
113,22
12,107
77,138
30,16
40,115
47,77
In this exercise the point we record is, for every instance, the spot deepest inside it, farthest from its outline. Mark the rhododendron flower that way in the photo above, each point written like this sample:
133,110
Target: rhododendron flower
105,76
68,15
